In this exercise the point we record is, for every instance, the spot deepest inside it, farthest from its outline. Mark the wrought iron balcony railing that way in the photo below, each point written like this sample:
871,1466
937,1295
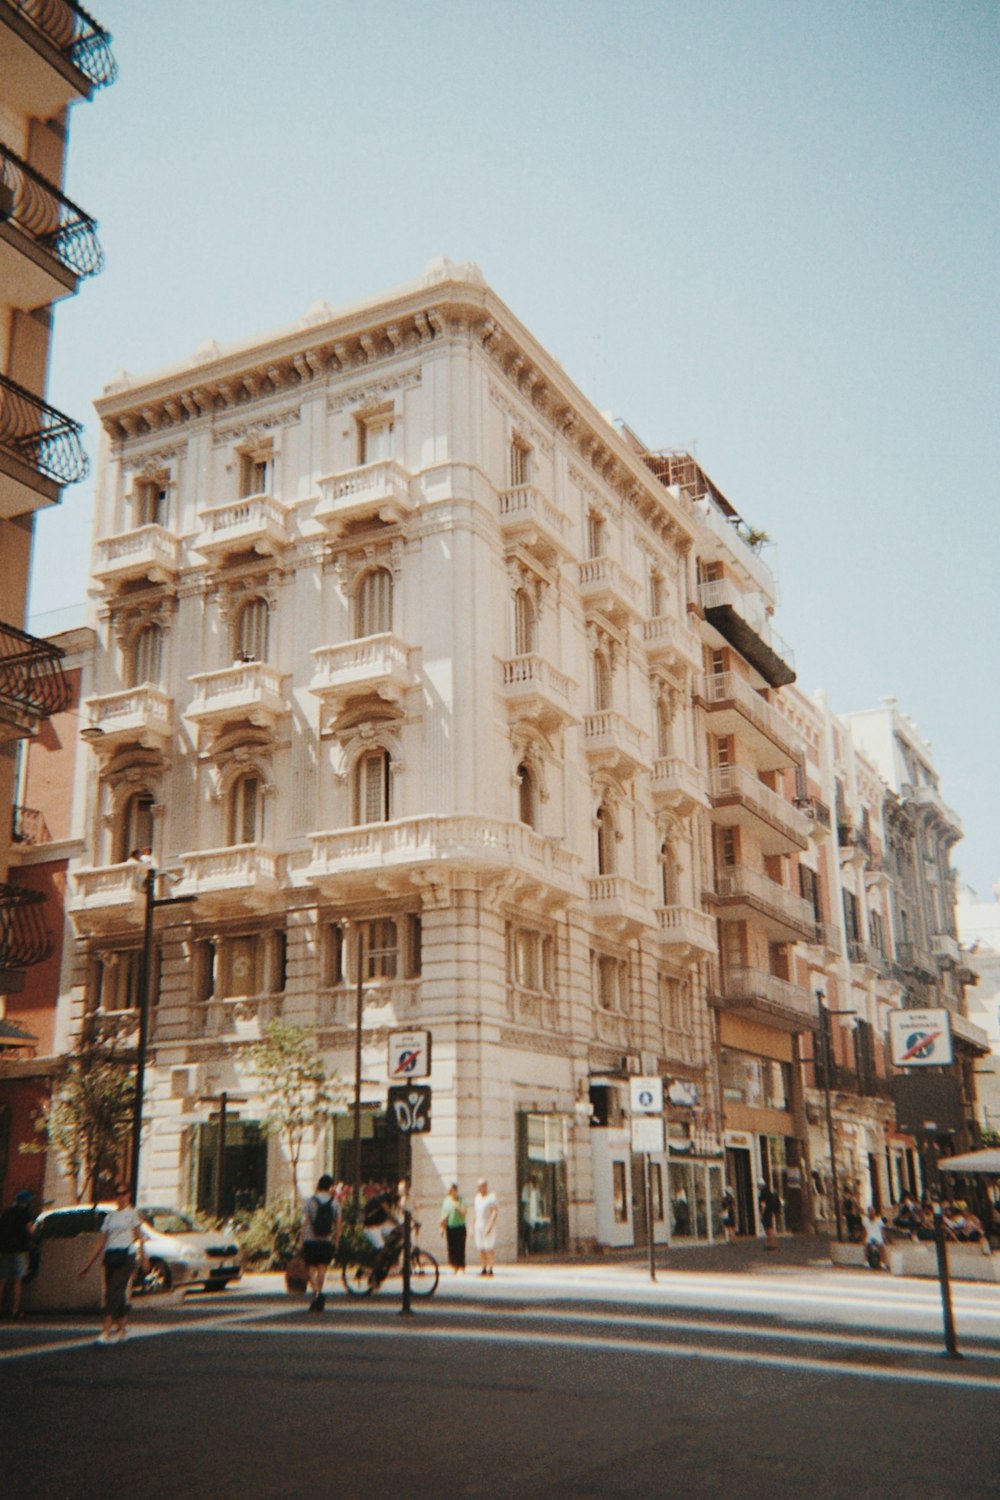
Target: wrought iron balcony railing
41,436
77,35
32,681
47,217
24,937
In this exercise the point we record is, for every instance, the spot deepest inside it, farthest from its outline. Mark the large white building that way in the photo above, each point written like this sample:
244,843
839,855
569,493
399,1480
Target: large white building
412,668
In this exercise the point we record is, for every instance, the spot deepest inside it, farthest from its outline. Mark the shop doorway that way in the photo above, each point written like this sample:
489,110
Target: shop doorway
244,1184
542,1186
739,1174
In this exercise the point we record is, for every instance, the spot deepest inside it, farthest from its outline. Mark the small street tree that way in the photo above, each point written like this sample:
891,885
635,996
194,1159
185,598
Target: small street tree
89,1118
299,1094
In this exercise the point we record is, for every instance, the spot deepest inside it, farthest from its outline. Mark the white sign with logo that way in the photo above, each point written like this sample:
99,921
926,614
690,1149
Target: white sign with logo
647,1134
920,1039
646,1096
409,1055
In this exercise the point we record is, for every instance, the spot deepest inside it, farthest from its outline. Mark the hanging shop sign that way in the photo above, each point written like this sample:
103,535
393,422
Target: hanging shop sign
921,1039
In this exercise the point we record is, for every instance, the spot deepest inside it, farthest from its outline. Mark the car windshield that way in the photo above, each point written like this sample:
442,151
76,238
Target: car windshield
167,1221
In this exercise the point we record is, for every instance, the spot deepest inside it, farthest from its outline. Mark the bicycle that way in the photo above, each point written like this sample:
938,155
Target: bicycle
361,1281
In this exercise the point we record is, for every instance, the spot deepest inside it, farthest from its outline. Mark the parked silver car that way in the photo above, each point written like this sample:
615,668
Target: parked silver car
179,1254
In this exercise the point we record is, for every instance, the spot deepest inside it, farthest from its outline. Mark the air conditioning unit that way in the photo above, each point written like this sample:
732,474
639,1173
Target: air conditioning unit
630,1063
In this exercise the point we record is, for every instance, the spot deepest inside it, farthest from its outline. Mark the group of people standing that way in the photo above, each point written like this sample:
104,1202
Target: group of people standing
485,1212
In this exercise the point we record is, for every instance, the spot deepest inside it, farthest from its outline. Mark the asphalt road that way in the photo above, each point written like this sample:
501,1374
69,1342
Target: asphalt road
566,1383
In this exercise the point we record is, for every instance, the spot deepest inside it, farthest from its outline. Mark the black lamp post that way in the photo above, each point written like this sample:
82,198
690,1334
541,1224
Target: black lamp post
827,1051
145,984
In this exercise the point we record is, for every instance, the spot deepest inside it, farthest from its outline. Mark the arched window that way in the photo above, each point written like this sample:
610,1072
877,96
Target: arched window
373,604
527,796
245,808
524,623
605,840
372,803
602,682
135,826
252,628
145,656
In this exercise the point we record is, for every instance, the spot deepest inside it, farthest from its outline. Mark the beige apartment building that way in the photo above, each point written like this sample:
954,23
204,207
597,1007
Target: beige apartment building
457,710
52,56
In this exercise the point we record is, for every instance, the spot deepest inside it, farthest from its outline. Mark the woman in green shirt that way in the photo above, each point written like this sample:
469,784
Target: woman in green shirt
453,1212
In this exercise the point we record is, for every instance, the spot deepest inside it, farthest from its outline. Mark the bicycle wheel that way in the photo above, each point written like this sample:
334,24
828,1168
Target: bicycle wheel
357,1280
424,1273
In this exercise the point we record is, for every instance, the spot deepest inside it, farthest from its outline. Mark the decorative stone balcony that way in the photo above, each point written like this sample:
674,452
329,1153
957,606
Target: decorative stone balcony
945,948
107,895
411,848
738,710
373,492
246,1016
536,691
33,685
670,643
764,997
611,743
256,523
249,691
529,518
41,450
749,895
692,932
742,619
147,552
678,786
376,664
738,798
929,798
243,874
619,904
58,54
605,586
387,1002
141,715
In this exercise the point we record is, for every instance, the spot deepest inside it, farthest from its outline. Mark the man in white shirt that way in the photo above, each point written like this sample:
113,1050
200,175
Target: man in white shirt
120,1246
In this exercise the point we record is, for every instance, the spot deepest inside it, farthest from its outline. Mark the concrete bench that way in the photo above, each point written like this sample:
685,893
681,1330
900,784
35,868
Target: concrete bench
919,1258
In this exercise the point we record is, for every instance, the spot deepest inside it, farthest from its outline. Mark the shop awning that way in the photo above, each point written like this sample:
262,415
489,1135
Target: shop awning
987,1161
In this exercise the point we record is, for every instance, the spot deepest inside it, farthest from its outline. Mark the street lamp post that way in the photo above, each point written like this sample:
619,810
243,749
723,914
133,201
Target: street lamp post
145,985
824,1031
358,1009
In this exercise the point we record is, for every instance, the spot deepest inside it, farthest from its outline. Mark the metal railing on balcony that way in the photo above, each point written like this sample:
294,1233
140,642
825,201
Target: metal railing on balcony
68,27
24,937
32,680
750,986
41,212
41,436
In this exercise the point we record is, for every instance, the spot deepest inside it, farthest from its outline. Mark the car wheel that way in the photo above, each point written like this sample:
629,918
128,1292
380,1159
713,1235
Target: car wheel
157,1278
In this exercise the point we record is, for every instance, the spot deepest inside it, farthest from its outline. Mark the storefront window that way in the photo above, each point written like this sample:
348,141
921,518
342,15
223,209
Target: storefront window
244,1178
681,1200
542,1183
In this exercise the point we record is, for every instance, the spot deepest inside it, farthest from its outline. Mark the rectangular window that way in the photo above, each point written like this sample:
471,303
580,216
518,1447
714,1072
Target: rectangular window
414,945
376,438
675,1004
758,1082
118,978
256,470
333,960
520,462
242,964
852,920
381,949
596,534
203,971
150,502
810,891
610,982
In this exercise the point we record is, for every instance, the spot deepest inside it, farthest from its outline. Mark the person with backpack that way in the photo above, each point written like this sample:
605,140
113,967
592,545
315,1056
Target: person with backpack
320,1237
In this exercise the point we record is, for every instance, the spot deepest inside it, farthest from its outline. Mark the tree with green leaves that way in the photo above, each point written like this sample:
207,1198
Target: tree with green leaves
88,1121
299,1094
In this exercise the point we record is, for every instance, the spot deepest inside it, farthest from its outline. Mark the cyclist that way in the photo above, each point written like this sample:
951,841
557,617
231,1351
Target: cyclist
383,1225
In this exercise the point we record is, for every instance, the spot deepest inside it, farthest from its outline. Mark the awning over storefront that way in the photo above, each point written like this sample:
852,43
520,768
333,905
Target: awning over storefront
987,1161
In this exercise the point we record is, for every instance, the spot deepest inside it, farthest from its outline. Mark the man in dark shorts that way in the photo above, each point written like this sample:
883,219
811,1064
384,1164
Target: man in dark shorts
320,1238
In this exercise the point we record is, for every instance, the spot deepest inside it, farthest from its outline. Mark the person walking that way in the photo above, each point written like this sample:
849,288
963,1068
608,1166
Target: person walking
729,1216
485,1211
121,1249
876,1251
770,1206
319,1238
16,1224
454,1213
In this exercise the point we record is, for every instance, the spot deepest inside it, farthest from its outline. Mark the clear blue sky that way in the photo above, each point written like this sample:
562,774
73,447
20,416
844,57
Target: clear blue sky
766,229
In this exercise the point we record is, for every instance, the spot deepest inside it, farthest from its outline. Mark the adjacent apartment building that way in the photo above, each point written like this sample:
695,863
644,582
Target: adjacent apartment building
52,55
455,708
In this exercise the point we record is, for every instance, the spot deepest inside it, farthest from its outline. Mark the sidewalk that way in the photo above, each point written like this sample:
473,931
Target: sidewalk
799,1252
